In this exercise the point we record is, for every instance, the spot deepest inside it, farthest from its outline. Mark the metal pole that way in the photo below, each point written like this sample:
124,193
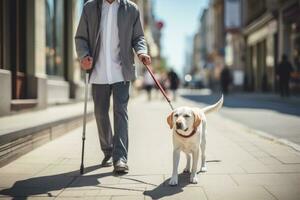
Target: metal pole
84,121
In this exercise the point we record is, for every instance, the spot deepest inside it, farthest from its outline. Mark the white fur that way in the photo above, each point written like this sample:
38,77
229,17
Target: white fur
190,146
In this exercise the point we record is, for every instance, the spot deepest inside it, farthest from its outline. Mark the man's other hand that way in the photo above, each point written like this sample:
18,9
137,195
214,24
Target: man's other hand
86,63
144,58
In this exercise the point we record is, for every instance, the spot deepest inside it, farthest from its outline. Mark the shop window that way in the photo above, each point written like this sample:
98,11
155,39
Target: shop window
55,38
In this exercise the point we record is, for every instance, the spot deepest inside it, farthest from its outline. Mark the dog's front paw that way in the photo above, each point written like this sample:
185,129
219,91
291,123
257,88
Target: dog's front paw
194,179
173,181
203,169
186,171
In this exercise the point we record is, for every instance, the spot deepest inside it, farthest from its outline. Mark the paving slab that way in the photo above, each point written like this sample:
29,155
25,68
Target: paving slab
180,192
267,179
143,179
80,193
284,192
238,192
138,197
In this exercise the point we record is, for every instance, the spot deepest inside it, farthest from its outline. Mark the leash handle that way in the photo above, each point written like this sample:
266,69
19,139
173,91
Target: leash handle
159,85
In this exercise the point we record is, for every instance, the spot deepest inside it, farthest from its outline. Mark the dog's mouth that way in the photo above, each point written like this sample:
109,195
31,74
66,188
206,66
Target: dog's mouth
184,130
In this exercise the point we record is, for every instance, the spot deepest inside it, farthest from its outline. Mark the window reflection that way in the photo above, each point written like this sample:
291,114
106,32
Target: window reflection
55,34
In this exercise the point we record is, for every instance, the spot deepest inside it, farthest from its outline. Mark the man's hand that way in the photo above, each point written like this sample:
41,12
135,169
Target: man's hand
86,63
144,58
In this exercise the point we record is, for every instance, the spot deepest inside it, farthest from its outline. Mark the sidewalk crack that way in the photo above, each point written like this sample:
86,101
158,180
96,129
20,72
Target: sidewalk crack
230,175
270,192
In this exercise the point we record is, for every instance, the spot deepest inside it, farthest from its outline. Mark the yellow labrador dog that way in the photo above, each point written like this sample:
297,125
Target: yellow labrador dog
189,132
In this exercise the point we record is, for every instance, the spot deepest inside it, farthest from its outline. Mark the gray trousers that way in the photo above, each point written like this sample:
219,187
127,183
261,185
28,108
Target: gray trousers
115,145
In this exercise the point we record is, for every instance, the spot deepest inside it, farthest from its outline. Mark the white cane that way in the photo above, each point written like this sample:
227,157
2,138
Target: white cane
84,121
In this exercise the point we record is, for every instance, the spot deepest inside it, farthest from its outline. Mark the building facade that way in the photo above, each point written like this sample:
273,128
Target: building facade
212,34
235,42
249,37
289,37
38,62
37,58
273,29
261,33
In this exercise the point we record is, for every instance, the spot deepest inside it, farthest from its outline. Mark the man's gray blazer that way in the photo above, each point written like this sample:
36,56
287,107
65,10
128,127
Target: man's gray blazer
131,34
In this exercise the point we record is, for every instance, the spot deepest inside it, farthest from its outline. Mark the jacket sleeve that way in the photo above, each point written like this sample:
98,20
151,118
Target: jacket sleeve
138,39
82,37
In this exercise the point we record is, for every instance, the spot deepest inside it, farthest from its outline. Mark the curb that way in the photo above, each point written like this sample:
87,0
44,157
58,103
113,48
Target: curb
20,142
275,139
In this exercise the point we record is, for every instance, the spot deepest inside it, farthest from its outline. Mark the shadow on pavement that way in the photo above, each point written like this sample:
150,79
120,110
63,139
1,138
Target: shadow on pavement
164,190
45,184
240,101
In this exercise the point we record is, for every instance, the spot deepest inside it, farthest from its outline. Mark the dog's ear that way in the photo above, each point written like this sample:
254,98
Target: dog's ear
197,119
170,120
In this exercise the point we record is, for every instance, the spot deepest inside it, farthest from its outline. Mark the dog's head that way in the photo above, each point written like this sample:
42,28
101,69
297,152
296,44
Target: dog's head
183,120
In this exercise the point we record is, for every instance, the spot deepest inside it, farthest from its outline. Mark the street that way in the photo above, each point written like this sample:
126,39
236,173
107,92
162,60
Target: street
267,113
240,165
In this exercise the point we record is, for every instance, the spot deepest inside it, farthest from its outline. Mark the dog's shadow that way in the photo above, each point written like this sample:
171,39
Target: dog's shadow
164,190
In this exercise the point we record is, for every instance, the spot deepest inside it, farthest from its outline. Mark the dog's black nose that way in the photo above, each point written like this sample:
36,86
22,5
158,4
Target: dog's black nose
178,125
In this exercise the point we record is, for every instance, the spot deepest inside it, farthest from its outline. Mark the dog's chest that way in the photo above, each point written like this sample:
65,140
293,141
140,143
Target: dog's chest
187,145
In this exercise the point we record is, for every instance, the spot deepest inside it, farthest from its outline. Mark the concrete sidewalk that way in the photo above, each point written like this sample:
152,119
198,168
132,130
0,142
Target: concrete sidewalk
241,165
25,131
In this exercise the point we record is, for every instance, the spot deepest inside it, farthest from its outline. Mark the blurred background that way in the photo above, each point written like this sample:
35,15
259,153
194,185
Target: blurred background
201,48
198,39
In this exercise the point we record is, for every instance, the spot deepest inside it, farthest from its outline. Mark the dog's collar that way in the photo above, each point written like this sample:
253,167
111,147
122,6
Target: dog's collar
186,136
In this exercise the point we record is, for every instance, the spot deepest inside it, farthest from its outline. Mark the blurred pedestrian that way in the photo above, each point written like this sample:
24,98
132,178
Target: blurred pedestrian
225,80
148,84
174,82
283,72
104,47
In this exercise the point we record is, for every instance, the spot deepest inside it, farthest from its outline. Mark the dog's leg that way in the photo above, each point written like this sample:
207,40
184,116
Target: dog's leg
174,179
193,177
188,163
203,149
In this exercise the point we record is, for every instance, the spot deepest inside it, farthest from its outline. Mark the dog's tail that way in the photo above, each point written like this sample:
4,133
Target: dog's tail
214,107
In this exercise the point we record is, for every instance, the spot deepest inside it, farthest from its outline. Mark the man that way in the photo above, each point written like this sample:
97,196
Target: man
226,80
284,73
107,33
174,82
148,84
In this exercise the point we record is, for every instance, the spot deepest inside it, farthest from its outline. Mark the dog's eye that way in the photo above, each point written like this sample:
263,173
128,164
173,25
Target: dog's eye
176,115
186,116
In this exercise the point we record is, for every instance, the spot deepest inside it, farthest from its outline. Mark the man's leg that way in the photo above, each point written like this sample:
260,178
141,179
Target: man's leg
174,94
281,87
101,96
287,88
120,100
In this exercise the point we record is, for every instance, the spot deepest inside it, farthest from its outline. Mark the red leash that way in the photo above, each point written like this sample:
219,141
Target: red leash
159,86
